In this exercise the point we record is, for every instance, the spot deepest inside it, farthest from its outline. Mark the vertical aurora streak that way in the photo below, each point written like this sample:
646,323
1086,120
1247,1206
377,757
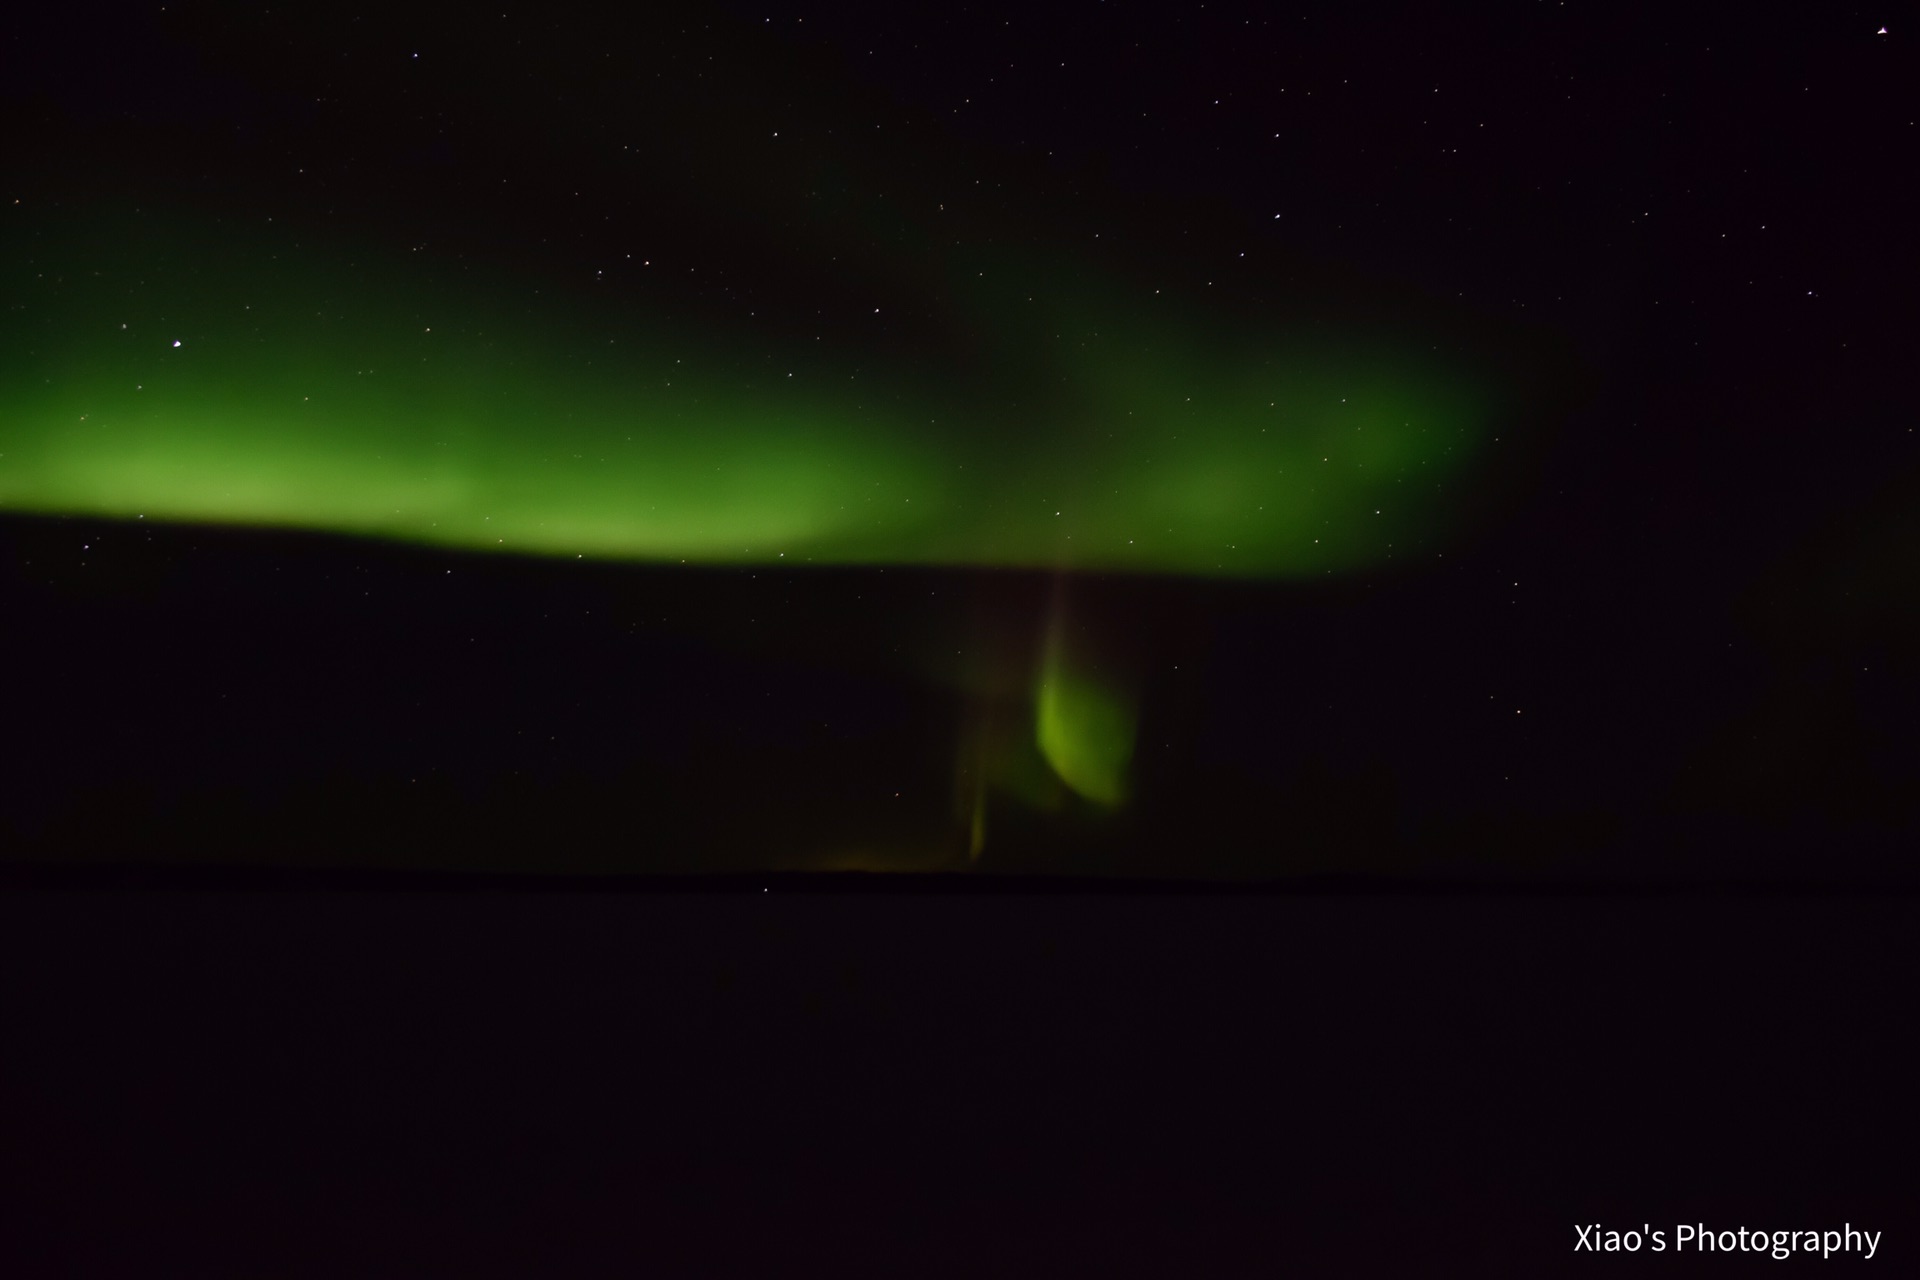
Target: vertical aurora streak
1084,722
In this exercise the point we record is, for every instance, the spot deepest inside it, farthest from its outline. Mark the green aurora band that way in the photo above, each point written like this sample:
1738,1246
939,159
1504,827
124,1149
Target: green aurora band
179,366
190,371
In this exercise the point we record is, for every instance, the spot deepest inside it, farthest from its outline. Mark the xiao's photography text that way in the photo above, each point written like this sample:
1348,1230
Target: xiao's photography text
1698,1238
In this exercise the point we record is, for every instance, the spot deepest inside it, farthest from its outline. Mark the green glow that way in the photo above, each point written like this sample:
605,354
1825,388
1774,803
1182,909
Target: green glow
1083,721
1086,733
341,387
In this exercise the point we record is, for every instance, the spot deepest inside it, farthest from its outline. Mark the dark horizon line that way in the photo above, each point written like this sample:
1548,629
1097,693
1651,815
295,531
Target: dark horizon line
200,877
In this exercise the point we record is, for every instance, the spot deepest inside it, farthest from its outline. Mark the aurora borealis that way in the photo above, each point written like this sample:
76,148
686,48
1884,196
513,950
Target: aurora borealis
1147,427
954,639
195,371
181,367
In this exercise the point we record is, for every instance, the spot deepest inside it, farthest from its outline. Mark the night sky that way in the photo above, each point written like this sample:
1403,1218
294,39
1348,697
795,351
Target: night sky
1365,557
1071,439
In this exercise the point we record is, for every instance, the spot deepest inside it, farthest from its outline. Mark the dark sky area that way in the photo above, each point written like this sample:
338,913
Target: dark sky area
1539,856
1675,632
